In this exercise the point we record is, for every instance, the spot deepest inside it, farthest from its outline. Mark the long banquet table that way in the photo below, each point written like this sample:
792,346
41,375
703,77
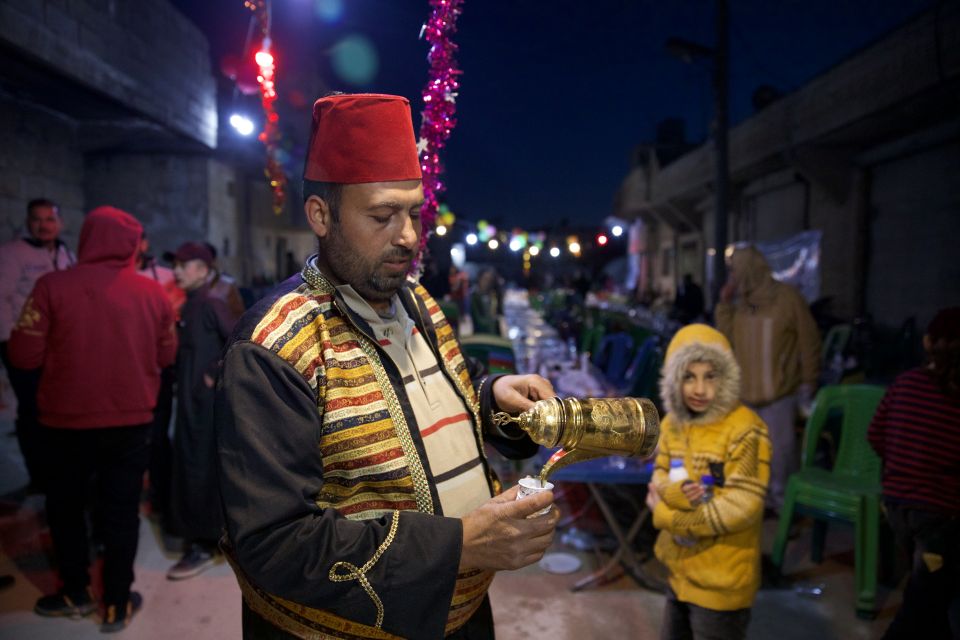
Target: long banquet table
539,349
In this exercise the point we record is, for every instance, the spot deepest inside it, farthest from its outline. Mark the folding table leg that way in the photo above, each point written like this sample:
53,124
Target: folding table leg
624,547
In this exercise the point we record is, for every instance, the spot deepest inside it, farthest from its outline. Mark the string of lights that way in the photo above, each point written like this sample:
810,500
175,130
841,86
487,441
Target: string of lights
270,135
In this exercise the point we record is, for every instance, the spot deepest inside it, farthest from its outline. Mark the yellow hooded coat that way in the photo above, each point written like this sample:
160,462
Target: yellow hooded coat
720,570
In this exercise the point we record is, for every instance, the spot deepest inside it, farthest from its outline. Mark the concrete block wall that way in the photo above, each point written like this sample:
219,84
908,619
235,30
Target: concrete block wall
167,193
914,205
39,158
142,53
223,230
839,250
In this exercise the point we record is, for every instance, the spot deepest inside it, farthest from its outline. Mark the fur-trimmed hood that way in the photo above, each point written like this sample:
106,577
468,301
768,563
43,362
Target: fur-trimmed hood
699,343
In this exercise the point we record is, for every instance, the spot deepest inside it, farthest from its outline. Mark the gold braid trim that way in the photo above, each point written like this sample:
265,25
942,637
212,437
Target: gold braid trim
444,337
297,619
421,487
353,573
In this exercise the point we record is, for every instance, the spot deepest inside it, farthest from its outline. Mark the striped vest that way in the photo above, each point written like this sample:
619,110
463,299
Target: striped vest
371,466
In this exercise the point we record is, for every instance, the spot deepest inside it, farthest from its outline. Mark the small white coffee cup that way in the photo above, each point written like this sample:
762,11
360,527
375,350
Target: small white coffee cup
529,486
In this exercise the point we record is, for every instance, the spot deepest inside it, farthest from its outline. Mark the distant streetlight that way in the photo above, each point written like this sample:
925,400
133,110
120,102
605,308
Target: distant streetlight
617,231
242,124
719,56
534,250
472,239
493,244
441,230
555,252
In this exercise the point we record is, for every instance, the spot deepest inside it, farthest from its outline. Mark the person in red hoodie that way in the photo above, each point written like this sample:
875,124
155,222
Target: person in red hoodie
100,334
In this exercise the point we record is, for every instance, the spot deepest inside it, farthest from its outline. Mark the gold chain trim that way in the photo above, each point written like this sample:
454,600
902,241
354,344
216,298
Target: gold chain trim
420,486
471,400
312,276
353,573
471,397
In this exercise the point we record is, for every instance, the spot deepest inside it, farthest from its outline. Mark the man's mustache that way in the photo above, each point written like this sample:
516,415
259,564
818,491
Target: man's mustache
398,254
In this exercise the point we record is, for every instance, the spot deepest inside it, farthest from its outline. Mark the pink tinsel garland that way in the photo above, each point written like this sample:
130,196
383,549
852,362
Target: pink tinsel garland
439,104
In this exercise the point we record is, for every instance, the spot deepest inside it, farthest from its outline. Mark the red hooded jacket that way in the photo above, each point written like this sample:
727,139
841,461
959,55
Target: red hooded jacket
100,332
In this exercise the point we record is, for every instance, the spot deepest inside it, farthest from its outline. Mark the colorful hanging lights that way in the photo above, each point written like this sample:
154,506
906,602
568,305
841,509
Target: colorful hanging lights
270,136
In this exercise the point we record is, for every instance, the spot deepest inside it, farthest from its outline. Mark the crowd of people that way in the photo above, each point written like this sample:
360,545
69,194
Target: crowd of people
329,441
95,347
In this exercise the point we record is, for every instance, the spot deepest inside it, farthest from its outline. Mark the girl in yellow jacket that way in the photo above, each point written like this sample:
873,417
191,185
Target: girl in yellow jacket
708,489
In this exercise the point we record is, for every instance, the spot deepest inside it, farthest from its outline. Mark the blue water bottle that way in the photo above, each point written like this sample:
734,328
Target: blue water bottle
707,481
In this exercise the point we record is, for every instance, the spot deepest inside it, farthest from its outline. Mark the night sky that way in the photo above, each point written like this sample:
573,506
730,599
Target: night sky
555,94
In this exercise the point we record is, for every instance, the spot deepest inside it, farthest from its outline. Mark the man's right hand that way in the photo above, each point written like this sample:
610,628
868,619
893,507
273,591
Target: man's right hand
498,535
728,290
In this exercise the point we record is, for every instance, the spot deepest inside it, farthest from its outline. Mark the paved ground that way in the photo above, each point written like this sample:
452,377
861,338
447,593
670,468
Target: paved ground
528,604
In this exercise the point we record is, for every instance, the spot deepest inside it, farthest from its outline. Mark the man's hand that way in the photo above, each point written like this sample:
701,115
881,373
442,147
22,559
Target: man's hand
729,289
805,395
499,535
518,393
653,496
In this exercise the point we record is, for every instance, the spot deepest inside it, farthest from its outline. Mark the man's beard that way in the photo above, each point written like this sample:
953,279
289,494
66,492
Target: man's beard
347,266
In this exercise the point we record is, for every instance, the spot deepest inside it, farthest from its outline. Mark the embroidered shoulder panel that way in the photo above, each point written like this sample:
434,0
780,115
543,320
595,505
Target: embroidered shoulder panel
371,466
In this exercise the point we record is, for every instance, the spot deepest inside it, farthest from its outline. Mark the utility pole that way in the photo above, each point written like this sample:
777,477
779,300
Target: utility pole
721,60
719,57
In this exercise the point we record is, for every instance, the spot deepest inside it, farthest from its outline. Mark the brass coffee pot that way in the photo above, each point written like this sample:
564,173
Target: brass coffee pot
589,428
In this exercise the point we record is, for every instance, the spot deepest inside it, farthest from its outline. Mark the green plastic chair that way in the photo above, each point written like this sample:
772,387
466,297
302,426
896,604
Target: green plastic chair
537,301
849,492
835,341
495,351
590,338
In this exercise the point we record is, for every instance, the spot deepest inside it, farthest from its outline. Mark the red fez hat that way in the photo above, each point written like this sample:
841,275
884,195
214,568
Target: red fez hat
362,137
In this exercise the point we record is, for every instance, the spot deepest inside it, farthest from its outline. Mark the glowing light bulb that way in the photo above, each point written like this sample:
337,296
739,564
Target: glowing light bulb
574,247
601,239
264,58
555,251
242,124
617,230
534,250
494,243
441,230
471,239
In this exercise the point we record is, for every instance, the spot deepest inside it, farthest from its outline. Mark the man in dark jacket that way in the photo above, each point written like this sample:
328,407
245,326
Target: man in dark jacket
350,427
206,320
101,334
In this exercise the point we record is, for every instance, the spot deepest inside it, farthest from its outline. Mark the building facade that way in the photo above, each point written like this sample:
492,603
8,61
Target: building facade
868,153
114,102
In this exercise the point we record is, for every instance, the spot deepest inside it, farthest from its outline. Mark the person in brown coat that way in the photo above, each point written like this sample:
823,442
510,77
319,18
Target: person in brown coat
777,346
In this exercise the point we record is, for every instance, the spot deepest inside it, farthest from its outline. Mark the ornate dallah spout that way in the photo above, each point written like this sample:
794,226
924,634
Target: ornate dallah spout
589,428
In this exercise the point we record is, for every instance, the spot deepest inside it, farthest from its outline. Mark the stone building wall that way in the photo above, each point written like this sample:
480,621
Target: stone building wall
143,54
39,158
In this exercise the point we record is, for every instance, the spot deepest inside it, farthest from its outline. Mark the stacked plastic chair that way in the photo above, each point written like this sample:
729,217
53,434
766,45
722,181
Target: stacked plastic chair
849,492
495,351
